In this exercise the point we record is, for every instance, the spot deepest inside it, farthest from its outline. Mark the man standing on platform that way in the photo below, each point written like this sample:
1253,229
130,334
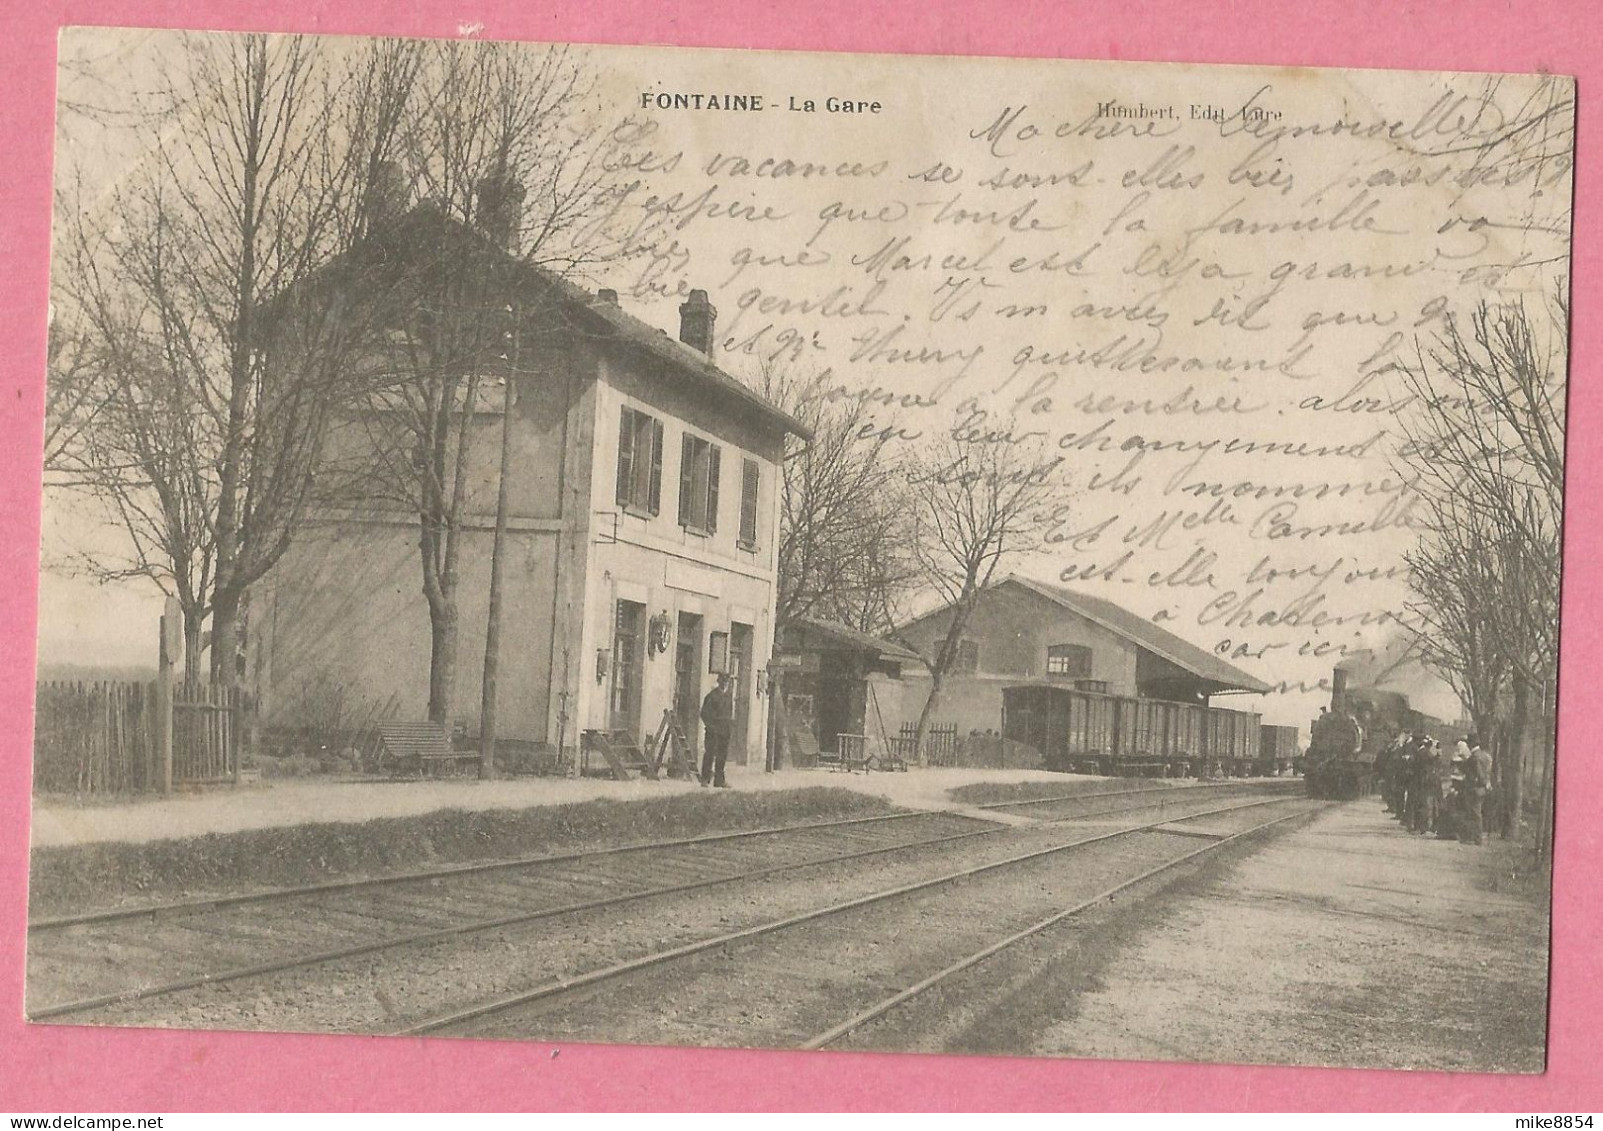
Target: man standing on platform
1477,781
1403,777
1427,787
717,715
1386,768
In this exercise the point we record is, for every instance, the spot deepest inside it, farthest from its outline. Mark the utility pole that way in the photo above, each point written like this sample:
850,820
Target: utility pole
776,721
169,647
492,631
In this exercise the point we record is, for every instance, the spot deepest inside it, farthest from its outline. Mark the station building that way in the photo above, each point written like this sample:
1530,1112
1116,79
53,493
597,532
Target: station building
1024,631
641,548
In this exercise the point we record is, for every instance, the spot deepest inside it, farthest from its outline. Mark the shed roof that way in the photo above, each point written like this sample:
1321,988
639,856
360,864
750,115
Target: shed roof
413,232
851,639
689,363
1144,634
1140,632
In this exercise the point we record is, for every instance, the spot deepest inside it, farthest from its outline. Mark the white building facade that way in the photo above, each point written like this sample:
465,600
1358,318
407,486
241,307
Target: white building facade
641,540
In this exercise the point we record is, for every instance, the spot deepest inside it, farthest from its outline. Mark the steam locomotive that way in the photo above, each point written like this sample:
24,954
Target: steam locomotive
1345,741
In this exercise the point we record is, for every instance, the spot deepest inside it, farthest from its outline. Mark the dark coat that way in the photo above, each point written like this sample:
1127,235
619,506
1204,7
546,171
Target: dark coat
718,709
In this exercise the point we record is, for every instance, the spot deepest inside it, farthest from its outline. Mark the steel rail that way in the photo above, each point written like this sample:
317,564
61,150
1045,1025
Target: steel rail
261,969
214,903
569,984
1166,790
439,934
858,1020
211,903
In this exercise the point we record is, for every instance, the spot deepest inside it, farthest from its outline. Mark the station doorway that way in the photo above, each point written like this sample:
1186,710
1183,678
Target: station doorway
628,667
687,677
742,647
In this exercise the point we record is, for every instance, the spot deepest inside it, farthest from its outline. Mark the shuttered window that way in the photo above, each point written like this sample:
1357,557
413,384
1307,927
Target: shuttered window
699,472
639,462
750,480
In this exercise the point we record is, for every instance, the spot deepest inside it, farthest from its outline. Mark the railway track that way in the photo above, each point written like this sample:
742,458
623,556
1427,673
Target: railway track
163,950
888,1004
1089,798
603,1003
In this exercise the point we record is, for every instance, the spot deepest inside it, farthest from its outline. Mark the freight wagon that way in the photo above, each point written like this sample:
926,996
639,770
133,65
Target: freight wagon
1083,729
1278,749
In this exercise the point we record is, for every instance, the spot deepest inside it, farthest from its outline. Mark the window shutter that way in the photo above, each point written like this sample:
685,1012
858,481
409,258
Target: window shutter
750,478
687,479
712,488
654,491
626,457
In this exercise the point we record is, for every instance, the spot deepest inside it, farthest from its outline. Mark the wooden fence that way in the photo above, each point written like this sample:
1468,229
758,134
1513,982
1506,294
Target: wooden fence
96,738
106,737
206,733
940,744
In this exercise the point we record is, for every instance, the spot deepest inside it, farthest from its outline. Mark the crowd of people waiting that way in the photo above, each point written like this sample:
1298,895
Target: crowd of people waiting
1430,792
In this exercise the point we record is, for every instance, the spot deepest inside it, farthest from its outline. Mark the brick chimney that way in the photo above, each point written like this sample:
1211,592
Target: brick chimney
500,209
1338,689
696,319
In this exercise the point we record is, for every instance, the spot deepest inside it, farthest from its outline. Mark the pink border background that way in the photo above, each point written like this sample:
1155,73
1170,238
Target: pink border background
64,1069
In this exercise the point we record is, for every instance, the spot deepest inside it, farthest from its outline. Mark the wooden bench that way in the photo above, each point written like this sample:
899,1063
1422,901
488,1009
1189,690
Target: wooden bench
851,752
623,755
410,749
827,759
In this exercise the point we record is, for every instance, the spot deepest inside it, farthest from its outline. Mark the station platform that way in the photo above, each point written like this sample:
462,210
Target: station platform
287,802
1345,942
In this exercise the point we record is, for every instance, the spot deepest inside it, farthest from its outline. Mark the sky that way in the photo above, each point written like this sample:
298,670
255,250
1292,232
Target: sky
1194,287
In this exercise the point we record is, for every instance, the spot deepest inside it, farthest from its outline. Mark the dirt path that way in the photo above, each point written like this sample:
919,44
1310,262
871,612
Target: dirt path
1348,942
320,800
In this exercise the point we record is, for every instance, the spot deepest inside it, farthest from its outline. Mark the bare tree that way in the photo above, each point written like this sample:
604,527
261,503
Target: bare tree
974,504
74,399
1486,448
500,140
1455,576
145,452
845,551
214,358
263,203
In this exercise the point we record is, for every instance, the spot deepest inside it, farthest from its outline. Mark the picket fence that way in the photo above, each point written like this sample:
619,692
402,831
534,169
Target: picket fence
940,744
106,737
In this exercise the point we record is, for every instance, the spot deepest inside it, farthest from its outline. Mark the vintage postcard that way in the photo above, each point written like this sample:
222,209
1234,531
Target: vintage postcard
801,551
